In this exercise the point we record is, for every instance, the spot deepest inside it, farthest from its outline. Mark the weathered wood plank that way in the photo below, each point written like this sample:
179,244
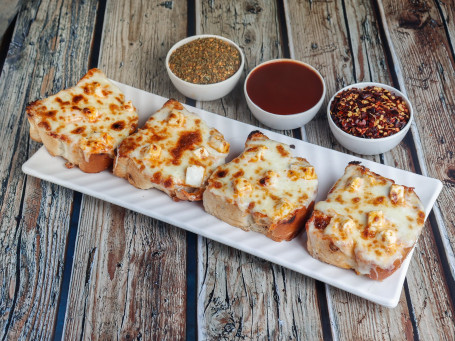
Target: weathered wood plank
345,52
366,60
241,296
44,55
9,11
423,54
446,20
129,275
426,273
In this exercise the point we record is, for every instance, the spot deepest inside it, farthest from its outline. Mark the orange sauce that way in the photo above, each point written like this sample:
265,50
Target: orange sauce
284,87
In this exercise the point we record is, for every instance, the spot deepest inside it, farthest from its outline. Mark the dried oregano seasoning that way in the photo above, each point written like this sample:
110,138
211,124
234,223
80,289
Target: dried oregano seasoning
205,61
372,112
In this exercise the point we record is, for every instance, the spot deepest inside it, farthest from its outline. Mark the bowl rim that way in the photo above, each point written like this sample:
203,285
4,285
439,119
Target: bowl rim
286,116
362,85
199,36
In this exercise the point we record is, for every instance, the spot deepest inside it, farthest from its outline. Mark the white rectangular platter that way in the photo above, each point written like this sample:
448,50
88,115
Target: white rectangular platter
191,216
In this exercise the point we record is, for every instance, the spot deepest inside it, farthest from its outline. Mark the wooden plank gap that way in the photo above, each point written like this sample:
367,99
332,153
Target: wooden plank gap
283,29
201,285
191,18
192,244
191,285
324,310
331,315
447,267
325,307
385,37
412,315
97,36
348,32
67,266
6,41
446,28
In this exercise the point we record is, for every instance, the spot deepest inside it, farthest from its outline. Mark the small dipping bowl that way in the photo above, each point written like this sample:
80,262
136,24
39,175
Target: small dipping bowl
205,92
284,93
369,146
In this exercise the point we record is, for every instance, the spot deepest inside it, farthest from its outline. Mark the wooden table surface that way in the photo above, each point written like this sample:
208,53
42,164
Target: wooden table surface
76,267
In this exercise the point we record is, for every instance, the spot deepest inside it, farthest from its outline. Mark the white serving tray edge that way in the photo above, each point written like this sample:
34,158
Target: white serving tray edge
190,216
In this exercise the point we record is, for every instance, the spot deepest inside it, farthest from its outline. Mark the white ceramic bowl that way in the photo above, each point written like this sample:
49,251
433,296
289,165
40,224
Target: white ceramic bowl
369,146
282,122
205,92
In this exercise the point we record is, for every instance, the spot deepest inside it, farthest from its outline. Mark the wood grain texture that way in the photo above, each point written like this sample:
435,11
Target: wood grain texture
359,44
241,296
426,272
129,273
417,36
322,38
7,14
44,55
445,18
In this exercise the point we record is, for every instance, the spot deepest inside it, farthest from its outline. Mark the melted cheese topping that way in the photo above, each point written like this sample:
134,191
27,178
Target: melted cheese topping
266,179
176,147
372,218
92,115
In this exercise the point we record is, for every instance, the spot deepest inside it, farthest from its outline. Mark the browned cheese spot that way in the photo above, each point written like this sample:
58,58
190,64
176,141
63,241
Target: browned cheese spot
187,141
106,92
114,107
239,173
222,173
118,126
51,113
65,138
88,89
421,218
282,150
61,102
321,221
168,182
78,130
156,177
77,99
355,200
339,199
45,125
217,184
379,201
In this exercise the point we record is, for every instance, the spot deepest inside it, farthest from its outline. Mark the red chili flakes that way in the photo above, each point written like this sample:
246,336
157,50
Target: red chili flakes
371,112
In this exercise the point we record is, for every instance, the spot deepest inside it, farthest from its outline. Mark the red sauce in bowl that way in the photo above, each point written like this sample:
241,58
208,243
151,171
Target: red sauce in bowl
284,87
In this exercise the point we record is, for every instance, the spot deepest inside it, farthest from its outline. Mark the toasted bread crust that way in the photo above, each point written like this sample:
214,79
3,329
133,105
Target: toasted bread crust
262,190
65,144
367,223
285,229
124,167
322,247
176,135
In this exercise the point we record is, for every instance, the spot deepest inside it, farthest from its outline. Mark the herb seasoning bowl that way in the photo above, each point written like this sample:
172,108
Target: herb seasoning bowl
390,115
284,93
225,77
